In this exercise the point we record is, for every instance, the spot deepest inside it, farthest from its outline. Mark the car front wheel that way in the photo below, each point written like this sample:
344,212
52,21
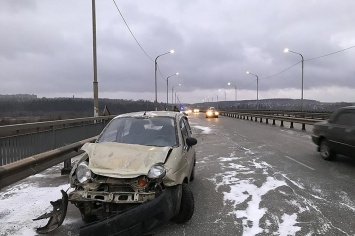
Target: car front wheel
187,206
325,151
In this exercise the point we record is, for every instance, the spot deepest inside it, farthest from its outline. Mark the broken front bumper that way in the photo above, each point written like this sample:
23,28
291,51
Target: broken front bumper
56,217
140,219
110,197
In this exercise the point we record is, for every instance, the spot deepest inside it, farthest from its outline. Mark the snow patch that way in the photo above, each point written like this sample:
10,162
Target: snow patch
205,130
25,203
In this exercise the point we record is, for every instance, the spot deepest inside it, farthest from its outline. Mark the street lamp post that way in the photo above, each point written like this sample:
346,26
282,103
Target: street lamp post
167,88
257,89
225,94
156,87
288,50
217,102
172,92
235,94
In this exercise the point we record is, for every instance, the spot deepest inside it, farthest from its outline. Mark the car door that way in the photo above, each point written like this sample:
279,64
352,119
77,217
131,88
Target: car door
188,152
343,132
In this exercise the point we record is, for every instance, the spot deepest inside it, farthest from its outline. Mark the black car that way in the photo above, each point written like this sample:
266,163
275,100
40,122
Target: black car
337,135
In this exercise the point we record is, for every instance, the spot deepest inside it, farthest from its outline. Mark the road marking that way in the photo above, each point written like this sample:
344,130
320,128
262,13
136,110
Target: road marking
299,162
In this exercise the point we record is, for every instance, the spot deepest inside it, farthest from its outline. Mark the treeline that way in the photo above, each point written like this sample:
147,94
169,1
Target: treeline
15,111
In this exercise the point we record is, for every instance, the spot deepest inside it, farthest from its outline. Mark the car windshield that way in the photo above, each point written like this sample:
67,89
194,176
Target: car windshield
153,131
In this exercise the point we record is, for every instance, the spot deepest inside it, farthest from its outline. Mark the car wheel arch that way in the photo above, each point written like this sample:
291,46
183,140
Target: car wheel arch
327,154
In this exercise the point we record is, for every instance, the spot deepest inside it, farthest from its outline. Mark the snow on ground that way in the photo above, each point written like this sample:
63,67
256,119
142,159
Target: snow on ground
23,202
245,192
205,130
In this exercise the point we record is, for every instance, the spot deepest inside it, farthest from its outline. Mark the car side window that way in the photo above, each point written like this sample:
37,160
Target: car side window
184,131
346,118
188,127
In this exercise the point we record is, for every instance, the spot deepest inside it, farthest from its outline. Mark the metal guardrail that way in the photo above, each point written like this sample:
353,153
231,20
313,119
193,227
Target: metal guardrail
21,169
23,140
282,118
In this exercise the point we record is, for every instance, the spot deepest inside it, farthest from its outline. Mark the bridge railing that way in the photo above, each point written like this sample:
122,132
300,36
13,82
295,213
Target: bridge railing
23,140
303,118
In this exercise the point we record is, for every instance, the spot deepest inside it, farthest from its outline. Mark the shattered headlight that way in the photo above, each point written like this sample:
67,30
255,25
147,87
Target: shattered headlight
157,171
83,173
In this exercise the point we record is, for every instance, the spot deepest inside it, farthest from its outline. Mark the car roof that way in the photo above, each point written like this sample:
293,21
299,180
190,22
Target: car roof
171,114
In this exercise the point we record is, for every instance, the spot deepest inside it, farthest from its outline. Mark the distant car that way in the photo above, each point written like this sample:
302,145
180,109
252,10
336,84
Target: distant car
336,135
141,161
196,110
212,112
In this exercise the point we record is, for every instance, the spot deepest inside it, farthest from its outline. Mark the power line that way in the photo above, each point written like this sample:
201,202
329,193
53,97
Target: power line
329,54
281,71
135,37
314,58
132,32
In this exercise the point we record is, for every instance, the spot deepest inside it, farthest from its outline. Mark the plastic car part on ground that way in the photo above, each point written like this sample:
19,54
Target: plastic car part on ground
56,217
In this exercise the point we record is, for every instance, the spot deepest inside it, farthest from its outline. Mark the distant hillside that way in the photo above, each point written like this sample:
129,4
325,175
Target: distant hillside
275,104
41,109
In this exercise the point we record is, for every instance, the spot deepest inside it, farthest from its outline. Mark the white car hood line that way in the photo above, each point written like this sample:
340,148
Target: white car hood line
120,160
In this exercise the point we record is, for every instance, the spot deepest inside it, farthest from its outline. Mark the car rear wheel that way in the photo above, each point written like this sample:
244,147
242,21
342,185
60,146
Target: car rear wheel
325,151
187,206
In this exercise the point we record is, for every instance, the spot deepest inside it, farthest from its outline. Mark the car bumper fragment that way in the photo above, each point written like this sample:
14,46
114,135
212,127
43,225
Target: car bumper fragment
140,219
56,217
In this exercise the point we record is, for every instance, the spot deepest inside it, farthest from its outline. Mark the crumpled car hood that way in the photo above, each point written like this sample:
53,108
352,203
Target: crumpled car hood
120,160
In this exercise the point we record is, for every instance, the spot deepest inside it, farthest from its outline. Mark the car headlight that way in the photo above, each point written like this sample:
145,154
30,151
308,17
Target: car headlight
157,171
216,113
209,113
83,173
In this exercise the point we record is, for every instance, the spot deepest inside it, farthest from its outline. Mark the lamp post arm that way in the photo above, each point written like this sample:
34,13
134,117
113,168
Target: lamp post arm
302,77
155,78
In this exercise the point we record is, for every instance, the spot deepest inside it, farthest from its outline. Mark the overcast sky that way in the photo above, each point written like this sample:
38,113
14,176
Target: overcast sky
46,48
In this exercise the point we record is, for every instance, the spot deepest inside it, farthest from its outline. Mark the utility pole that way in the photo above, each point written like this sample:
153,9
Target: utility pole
95,83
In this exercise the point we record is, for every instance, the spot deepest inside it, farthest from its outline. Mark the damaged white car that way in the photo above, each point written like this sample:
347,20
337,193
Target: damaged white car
136,175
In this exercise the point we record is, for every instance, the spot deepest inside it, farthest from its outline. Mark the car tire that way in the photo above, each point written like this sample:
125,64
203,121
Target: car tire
187,206
325,151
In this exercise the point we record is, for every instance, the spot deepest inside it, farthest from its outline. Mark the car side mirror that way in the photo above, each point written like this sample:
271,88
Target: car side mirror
190,141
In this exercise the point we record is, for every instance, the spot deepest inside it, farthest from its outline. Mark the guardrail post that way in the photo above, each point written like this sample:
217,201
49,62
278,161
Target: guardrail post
256,119
267,121
303,126
291,125
67,167
261,120
273,121
282,124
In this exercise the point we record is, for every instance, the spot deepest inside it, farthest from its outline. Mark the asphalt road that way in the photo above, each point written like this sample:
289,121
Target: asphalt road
257,179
